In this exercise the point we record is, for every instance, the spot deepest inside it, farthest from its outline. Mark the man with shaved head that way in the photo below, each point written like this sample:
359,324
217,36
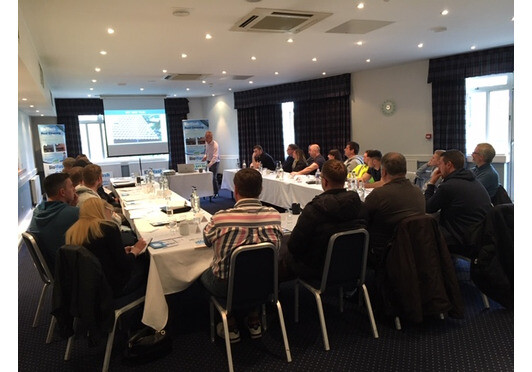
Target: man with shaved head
315,160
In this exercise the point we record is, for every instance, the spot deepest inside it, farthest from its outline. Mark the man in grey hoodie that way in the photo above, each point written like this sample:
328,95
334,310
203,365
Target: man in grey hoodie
52,218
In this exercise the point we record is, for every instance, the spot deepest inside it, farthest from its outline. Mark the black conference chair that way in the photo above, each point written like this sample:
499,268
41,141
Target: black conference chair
46,276
252,282
82,297
345,265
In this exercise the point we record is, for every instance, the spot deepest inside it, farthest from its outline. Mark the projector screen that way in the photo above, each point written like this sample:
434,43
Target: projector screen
135,126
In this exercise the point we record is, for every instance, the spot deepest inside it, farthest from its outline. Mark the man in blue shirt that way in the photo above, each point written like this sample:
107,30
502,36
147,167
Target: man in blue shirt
483,170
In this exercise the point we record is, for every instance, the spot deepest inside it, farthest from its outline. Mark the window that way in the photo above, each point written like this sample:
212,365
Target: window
288,123
488,112
92,132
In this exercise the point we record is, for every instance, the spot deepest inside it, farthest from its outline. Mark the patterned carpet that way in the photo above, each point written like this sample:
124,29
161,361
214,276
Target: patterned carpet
482,341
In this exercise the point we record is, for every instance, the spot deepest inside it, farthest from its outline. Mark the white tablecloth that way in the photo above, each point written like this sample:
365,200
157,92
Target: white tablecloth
175,267
281,193
181,183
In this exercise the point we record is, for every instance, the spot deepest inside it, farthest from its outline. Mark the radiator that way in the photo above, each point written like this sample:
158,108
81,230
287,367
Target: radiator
35,186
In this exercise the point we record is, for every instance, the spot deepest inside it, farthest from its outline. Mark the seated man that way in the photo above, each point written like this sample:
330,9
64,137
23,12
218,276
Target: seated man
249,222
424,172
351,153
386,206
483,170
315,161
361,169
288,164
461,200
53,217
334,210
372,178
259,156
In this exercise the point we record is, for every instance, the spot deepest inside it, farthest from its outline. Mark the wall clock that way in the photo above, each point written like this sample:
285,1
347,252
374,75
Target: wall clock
388,107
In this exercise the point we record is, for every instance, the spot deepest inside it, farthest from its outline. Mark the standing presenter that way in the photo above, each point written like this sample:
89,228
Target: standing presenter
212,158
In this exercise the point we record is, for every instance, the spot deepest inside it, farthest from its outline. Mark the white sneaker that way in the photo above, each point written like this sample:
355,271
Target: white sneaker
255,330
234,334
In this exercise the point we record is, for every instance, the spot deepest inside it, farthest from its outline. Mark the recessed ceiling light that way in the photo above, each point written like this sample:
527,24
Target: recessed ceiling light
212,94
224,72
420,45
253,58
444,12
251,81
94,80
165,71
324,73
91,88
97,69
36,110
188,89
473,47
208,36
290,40
24,99
184,55
314,59
229,89
359,42
110,31
368,60
276,72
360,6
31,106
42,114
203,81
103,52
141,88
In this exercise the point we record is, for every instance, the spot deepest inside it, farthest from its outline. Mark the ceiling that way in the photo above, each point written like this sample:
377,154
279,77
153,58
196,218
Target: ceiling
68,36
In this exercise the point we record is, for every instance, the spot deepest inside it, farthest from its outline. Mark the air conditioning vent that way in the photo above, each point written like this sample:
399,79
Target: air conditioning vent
278,20
242,77
184,77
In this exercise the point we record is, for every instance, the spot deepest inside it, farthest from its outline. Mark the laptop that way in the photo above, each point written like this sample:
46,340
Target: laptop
185,168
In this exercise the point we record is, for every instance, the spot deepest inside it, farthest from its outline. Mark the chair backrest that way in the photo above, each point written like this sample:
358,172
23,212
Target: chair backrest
345,261
501,197
252,275
30,240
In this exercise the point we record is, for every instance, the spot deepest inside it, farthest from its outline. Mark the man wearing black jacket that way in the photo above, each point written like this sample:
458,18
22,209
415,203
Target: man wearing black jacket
461,200
334,210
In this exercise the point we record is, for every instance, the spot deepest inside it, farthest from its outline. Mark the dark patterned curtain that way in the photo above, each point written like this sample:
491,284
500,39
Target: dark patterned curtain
323,114
260,126
447,76
68,110
176,111
326,122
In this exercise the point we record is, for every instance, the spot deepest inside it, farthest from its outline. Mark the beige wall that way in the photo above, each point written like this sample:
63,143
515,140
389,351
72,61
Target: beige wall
405,130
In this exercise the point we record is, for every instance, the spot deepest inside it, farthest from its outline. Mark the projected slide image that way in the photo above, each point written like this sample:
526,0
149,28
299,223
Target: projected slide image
133,129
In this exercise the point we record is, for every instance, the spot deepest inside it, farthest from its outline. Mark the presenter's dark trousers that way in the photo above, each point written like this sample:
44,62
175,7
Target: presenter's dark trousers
214,170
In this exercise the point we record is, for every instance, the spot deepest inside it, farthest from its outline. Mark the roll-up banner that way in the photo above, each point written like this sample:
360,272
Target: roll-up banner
194,135
53,147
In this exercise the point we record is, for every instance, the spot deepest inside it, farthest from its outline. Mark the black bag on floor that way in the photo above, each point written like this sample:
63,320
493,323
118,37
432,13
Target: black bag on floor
147,345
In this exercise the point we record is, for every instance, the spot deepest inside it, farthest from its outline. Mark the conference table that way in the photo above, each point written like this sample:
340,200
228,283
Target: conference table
176,260
181,183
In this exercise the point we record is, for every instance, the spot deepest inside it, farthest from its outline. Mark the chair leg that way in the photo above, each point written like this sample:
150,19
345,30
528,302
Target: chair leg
39,306
71,340
397,323
296,302
485,300
283,330
370,312
109,348
227,342
264,319
322,321
50,334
